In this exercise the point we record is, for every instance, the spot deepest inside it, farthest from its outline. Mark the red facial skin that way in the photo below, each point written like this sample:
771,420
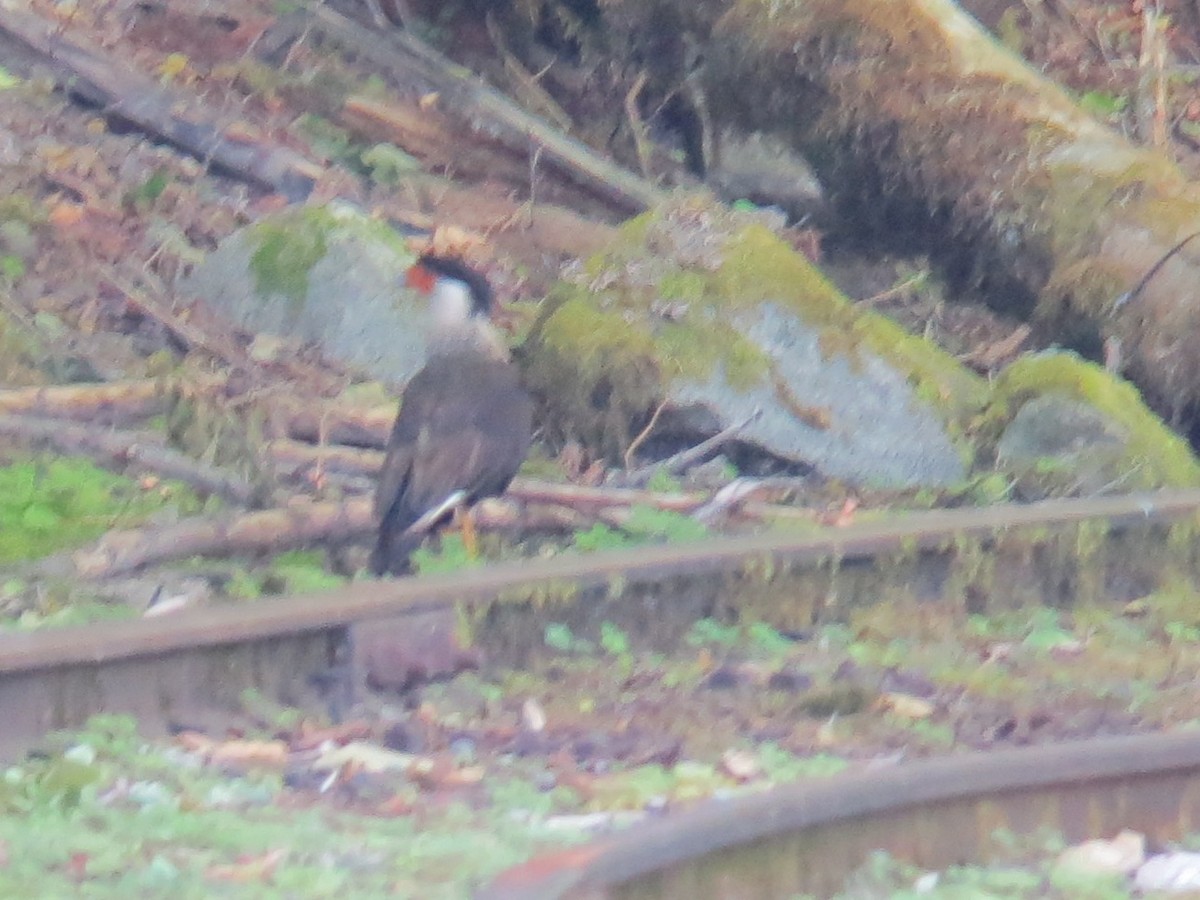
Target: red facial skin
420,278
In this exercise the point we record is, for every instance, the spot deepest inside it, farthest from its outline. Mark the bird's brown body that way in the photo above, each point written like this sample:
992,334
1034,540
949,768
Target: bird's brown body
464,426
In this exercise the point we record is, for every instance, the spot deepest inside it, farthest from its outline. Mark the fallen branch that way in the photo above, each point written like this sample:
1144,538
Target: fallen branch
339,424
303,524
128,97
109,402
120,450
480,110
294,461
685,459
577,496
270,531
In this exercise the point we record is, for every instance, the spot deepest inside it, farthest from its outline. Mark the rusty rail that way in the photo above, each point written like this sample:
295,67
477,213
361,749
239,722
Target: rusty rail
169,669
809,837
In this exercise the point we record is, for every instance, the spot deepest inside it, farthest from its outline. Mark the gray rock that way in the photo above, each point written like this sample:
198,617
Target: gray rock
1056,445
708,310
323,275
880,432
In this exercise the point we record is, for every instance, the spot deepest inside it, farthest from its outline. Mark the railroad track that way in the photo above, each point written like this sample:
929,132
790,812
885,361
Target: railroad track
808,837
177,669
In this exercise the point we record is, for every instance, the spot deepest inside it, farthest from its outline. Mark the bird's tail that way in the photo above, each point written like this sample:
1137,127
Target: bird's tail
392,552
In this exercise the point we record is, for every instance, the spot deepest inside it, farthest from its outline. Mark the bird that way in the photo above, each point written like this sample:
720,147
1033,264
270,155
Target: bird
465,422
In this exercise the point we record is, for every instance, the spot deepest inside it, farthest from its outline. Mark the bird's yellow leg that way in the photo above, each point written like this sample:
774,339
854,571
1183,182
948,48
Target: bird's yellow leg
470,537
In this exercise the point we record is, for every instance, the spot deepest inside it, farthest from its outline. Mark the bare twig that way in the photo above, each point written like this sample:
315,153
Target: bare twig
640,142
685,459
643,435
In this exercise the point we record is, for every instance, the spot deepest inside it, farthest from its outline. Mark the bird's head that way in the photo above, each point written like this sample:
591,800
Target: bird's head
456,292
460,304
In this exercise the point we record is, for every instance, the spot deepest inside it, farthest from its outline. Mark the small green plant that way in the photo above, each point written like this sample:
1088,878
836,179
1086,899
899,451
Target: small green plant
710,631
664,482
1046,632
599,537
50,503
649,522
388,164
450,556
143,196
614,641
12,269
782,765
560,637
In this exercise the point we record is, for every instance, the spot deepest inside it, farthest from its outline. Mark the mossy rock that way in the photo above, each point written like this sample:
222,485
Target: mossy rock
1062,426
711,311
322,274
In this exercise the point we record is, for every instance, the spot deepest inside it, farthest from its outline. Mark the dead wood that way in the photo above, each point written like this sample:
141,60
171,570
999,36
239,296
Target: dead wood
121,450
271,531
302,524
315,465
333,423
922,126
481,113
691,456
87,72
112,402
580,497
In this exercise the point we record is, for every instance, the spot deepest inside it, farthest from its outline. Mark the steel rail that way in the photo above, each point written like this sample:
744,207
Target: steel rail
314,612
170,670
810,836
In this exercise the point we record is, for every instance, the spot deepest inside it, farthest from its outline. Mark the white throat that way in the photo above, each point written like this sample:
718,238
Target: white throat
453,326
449,304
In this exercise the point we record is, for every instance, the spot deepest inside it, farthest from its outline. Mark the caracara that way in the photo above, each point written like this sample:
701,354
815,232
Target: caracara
465,420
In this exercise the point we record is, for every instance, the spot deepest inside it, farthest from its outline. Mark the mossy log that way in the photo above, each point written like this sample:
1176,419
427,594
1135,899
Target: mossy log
922,127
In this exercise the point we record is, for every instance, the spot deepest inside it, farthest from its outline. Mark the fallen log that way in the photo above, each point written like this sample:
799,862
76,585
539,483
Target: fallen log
110,402
88,73
924,128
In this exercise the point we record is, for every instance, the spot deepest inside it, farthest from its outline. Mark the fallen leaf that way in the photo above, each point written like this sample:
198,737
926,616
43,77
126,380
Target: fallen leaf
247,871
740,764
243,753
533,717
906,706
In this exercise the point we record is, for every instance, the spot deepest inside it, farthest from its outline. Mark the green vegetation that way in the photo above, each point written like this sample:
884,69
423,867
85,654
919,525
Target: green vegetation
1154,455
295,572
288,247
114,817
51,503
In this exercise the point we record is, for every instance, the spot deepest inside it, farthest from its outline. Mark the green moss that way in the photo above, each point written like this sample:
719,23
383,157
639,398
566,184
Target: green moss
1155,456
670,301
50,503
288,247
